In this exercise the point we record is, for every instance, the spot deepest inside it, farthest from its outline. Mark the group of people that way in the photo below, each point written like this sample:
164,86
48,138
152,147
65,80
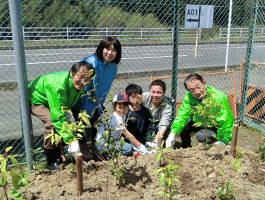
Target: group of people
138,117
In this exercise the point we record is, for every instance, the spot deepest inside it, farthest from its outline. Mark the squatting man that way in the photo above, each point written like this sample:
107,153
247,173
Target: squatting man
184,121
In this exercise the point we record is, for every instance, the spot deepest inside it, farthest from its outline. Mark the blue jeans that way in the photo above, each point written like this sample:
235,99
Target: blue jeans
125,150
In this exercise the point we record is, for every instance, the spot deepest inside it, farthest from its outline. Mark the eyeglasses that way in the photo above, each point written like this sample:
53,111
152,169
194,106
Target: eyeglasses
193,90
83,76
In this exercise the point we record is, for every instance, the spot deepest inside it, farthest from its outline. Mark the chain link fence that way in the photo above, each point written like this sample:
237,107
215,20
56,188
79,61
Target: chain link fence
166,50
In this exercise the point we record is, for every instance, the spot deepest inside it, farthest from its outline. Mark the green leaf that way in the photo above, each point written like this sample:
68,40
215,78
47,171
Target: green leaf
15,194
161,178
16,163
169,182
14,178
122,142
160,192
159,155
175,179
8,149
3,170
157,171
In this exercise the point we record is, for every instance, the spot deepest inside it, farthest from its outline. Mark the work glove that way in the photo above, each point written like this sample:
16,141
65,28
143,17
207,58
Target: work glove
170,140
142,149
151,144
219,144
74,148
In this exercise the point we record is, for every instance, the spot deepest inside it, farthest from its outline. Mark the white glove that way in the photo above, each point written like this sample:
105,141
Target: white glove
142,149
151,144
170,140
73,148
219,144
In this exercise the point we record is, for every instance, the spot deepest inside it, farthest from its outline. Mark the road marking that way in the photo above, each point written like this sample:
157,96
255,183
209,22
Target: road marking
54,62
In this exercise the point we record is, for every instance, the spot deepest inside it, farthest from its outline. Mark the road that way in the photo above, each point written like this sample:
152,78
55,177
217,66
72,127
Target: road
134,59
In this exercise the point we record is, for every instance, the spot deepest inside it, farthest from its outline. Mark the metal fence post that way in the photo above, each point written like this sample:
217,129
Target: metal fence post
247,64
18,42
175,54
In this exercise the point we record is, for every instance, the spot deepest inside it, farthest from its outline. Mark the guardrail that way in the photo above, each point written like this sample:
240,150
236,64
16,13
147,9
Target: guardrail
95,33
240,32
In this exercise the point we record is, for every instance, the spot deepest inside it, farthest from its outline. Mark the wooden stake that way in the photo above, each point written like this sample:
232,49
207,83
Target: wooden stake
79,173
234,141
159,141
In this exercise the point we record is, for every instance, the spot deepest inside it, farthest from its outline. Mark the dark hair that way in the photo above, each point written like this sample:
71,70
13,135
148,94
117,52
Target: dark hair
115,104
105,43
133,88
76,67
160,83
192,77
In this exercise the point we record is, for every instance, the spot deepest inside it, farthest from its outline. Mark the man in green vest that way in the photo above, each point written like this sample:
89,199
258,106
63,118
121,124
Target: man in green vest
48,94
221,134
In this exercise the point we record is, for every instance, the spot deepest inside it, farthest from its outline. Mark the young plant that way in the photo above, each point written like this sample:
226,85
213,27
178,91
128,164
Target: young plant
226,192
261,151
168,174
153,124
206,112
111,146
18,177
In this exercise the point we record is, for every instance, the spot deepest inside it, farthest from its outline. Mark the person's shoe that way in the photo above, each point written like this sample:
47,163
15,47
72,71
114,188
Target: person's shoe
87,155
53,166
53,158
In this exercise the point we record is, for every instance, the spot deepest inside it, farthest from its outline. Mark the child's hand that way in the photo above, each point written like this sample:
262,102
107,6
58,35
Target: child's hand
142,149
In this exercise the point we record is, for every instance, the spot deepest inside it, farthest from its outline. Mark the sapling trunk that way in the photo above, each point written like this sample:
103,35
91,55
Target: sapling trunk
159,142
234,141
79,173
63,155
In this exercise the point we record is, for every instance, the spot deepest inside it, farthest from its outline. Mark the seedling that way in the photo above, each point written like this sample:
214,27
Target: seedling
18,177
261,151
167,174
226,192
206,113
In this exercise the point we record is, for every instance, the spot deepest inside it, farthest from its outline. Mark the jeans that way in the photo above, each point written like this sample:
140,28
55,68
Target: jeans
125,150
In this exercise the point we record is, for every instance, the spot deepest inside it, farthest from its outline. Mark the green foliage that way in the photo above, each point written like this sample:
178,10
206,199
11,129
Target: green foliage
112,17
239,154
18,177
69,130
261,152
168,174
206,112
226,192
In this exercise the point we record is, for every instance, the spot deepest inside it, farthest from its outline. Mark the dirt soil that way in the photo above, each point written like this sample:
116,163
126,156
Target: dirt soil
198,178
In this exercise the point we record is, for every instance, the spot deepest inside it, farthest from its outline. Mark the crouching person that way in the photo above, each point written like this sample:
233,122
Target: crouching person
49,94
183,124
117,124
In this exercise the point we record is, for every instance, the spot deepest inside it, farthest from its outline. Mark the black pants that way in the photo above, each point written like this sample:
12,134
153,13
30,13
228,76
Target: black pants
92,121
189,128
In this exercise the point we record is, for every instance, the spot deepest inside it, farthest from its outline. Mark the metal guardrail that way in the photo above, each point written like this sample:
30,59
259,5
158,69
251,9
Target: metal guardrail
240,32
94,33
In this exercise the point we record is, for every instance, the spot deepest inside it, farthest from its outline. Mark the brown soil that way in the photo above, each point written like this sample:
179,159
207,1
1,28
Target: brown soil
198,178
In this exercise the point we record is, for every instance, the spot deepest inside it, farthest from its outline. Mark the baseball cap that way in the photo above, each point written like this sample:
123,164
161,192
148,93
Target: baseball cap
120,97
